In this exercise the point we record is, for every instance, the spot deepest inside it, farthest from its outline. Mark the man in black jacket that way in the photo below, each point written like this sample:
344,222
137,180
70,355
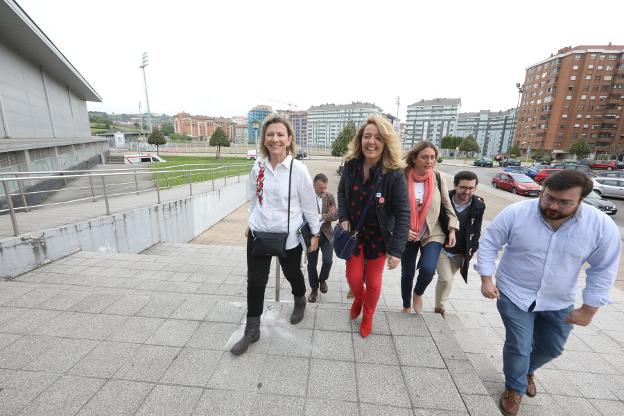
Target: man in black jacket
469,209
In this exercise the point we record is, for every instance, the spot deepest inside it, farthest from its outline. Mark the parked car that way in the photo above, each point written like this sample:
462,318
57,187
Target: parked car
251,155
543,174
517,183
609,187
612,174
514,169
604,164
301,155
575,166
585,162
484,162
508,162
604,205
532,171
142,158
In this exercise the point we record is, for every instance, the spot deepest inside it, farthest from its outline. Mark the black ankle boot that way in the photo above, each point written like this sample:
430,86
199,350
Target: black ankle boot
252,334
298,310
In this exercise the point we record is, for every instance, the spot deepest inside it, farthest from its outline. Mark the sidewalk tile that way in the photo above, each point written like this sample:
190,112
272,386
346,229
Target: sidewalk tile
192,367
20,387
465,377
381,384
170,400
284,375
62,356
367,409
148,363
238,373
418,351
225,403
375,349
117,397
136,329
332,345
173,333
441,394
332,380
104,360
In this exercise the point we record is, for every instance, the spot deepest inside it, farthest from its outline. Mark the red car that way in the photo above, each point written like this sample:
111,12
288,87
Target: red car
517,183
604,164
543,174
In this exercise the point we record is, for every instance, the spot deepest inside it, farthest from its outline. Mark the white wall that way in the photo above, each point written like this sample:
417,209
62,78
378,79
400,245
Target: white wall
23,95
129,232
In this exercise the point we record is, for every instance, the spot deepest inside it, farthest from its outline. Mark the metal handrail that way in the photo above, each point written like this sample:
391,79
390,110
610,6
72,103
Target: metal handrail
95,177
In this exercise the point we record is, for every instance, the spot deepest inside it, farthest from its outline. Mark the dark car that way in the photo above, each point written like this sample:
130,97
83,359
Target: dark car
503,163
604,205
516,183
484,162
301,155
575,166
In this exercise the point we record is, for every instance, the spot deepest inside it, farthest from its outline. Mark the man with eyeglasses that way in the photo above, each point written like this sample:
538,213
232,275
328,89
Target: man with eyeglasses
469,209
546,242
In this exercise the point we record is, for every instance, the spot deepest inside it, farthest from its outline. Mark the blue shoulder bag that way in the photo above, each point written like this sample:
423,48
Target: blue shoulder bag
344,242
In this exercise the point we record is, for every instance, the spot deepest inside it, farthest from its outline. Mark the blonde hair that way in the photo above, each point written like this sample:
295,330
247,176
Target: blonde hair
419,147
272,119
391,157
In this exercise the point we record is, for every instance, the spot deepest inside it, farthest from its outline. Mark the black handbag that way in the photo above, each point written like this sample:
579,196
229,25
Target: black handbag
443,217
272,244
344,242
306,233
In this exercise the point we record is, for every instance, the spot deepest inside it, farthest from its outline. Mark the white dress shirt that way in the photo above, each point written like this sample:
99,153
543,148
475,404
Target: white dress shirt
542,265
272,215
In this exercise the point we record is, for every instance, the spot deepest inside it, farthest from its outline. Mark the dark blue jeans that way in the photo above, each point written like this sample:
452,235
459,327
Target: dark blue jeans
325,247
426,268
532,339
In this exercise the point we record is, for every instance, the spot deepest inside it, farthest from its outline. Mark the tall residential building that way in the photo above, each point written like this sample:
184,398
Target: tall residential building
492,130
201,127
325,122
299,120
259,113
576,94
241,134
431,120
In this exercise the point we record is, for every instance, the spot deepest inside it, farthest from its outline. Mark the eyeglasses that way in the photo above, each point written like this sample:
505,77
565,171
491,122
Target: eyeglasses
467,188
562,203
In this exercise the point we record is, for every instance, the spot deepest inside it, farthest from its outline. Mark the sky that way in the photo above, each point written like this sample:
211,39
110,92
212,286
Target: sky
221,58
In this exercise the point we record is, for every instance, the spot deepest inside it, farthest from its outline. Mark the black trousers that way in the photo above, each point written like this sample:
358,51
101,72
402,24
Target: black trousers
258,269
325,246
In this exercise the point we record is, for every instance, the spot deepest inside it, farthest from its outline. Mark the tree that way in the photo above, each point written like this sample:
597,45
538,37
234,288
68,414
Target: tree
580,148
167,129
219,138
514,151
340,145
617,150
157,138
451,142
469,144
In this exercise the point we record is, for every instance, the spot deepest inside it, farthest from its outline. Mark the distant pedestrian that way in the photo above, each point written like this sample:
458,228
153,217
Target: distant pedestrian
373,178
273,179
327,212
469,210
432,221
546,243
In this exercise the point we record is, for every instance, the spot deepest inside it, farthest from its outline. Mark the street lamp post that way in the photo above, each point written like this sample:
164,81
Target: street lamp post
144,63
520,88
256,124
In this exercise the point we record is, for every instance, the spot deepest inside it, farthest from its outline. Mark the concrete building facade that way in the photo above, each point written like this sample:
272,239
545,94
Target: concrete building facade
325,122
577,93
493,131
202,127
431,120
299,120
44,123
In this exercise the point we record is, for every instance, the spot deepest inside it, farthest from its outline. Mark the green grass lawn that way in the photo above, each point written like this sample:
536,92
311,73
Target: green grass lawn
232,166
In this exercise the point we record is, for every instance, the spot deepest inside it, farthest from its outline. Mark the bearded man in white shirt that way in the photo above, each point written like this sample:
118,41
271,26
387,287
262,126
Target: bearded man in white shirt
546,243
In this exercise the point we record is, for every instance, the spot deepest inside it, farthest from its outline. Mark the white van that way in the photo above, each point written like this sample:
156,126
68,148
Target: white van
251,155
142,158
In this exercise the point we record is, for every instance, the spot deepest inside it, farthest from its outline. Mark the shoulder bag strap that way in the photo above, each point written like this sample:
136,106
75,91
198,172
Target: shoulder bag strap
368,201
289,181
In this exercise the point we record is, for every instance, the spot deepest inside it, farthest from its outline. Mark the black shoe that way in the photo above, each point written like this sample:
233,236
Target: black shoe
298,310
252,334
323,286
313,296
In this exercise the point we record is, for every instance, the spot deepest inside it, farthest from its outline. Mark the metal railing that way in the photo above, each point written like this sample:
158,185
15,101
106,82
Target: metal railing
105,185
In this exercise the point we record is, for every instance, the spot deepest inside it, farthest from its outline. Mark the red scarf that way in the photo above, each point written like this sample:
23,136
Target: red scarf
419,212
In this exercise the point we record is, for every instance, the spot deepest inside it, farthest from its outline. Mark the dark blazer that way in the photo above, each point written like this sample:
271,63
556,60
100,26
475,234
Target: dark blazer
328,202
391,204
471,229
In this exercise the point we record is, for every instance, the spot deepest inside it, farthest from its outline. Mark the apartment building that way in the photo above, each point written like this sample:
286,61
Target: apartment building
326,121
431,120
493,130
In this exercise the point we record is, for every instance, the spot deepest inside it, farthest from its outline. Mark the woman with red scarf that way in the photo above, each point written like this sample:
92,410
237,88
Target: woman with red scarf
432,219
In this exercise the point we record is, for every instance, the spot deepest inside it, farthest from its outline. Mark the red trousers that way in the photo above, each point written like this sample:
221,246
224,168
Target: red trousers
358,273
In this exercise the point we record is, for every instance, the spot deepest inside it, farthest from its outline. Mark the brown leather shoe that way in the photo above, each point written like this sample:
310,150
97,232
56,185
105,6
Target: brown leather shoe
531,390
313,295
323,286
350,294
510,403
441,311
